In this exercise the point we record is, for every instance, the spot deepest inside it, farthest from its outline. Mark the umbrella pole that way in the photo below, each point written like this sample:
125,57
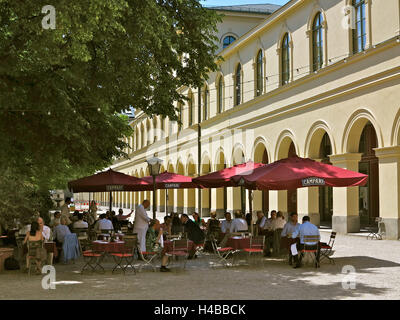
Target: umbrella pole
110,201
251,209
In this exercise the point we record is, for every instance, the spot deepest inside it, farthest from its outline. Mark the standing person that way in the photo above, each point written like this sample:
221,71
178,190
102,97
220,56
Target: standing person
306,229
65,211
289,228
142,223
92,212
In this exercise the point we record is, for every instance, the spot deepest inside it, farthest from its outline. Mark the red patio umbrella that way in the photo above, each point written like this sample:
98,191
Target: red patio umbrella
296,172
109,180
222,178
168,180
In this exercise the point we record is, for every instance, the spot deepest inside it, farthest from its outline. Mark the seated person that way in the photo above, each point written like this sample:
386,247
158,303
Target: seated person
197,220
238,224
103,224
56,220
46,231
260,223
153,240
167,226
39,253
121,216
269,229
193,231
226,224
289,228
61,231
115,221
176,226
80,224
306,229
213,227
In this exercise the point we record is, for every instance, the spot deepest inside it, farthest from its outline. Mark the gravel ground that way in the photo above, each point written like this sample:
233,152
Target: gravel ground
376,263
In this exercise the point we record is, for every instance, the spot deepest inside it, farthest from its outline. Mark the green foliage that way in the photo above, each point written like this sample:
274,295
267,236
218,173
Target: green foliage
62,91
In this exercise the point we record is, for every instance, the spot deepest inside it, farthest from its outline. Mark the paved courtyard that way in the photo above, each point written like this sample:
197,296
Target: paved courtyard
377,265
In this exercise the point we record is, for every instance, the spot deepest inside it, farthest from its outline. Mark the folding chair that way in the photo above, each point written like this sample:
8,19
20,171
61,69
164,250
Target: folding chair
92,260
313,249
376,231
126,255
222,253
326,249
148,258
180,249
257,244
82,235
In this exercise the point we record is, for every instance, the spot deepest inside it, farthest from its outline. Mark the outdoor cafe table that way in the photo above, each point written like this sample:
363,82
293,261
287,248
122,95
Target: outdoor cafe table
108,247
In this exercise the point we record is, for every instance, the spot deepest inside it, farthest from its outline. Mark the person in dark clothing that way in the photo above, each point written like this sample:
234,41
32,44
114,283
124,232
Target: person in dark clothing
193,231
176,227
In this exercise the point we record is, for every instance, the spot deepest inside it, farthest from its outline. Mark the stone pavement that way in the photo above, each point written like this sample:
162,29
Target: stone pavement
377,266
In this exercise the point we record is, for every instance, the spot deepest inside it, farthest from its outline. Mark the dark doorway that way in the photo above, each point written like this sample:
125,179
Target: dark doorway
265,193
325,193
292,194
369,194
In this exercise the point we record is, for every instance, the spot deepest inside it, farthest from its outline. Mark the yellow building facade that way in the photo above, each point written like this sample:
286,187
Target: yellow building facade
316,78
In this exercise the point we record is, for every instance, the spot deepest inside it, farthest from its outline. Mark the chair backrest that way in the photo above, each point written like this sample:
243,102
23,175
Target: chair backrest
80,231
131,242
180,244
173,236
311,239
33,245
332,238
106,231
257,242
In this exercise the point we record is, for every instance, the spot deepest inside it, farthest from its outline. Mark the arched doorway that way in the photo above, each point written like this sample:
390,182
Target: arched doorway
221,193
325,193
180,192
292,194
205,193
369,194
261,198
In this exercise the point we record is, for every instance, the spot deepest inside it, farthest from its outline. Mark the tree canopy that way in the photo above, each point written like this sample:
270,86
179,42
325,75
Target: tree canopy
62,90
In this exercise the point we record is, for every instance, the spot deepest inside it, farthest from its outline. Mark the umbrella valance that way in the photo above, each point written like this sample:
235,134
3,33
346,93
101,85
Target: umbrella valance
296,172
109,180
168,180
222,178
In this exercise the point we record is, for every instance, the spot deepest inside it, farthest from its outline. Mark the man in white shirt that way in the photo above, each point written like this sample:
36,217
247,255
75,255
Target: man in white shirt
80,224
46,232
103,224
238,224
226,224
142,223
306,229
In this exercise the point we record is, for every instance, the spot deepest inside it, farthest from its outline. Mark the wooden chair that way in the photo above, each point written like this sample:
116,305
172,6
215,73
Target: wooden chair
126,255
326,249
32,255
92,260
83,237
311,248
222,254
257,244
180,248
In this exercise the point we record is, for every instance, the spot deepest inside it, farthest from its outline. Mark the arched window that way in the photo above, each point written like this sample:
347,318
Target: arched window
220,93
259,73
285,59
359,32
205,104
238,84
227,41
180,124
190,105
317,42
